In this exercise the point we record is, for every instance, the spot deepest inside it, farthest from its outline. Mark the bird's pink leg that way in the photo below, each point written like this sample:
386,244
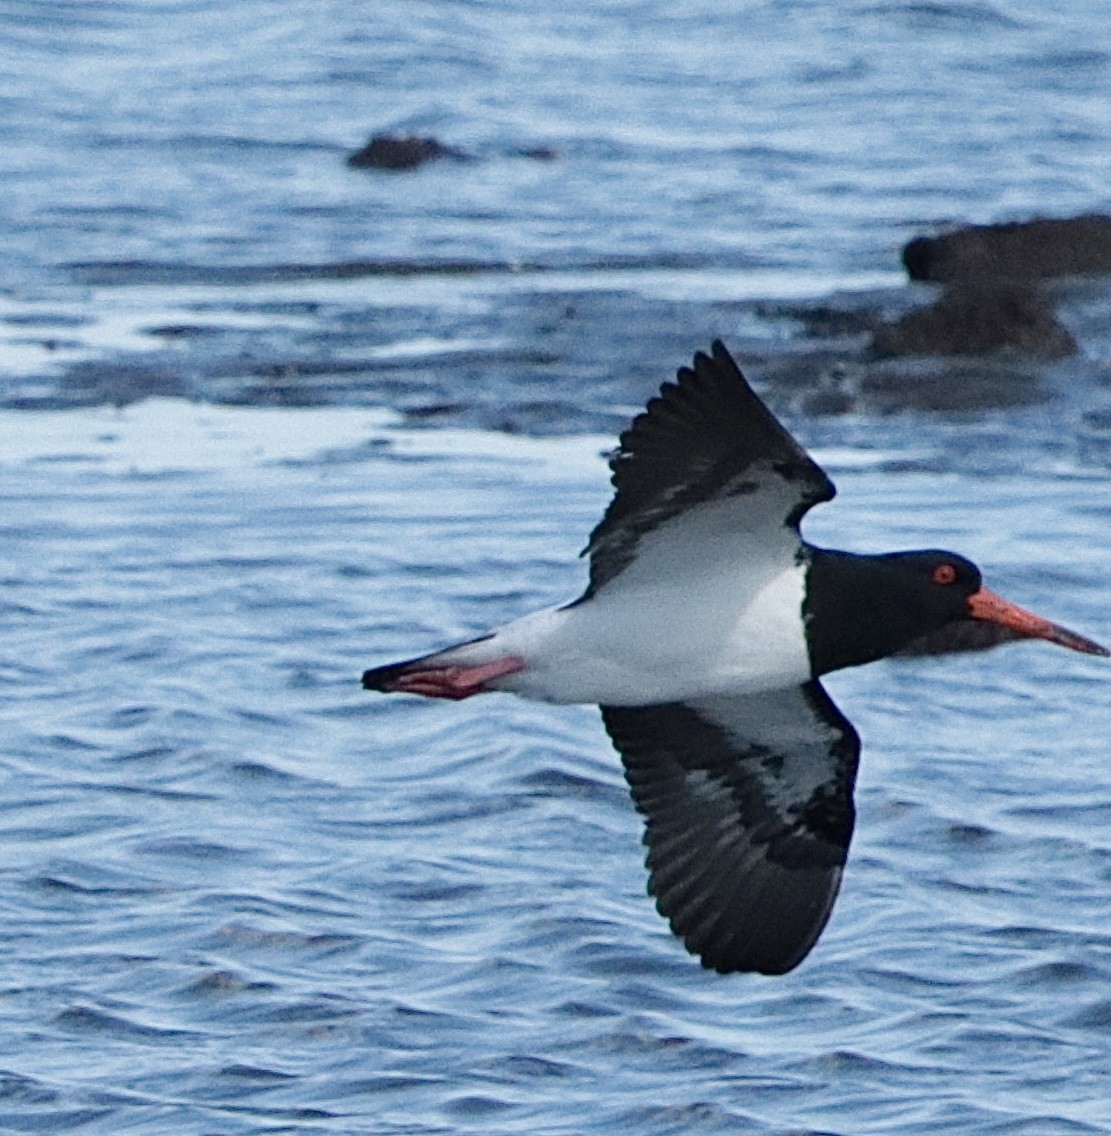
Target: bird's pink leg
455,682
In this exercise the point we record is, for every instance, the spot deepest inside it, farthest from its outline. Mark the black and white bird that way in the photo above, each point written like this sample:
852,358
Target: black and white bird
703,634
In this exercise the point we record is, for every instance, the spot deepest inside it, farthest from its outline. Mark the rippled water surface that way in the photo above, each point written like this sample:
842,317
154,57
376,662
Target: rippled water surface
241,895
267,420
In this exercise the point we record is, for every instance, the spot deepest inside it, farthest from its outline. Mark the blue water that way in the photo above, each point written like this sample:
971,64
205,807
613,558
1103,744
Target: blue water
266,421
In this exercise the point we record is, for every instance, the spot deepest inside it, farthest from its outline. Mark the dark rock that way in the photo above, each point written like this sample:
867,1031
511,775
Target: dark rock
978,318
1020,250
392,152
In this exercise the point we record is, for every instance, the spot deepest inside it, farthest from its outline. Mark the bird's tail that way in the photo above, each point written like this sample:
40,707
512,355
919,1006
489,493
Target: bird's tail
455,673
384,678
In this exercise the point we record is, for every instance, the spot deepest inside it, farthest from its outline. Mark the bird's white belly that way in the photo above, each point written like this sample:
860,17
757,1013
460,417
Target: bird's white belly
634,647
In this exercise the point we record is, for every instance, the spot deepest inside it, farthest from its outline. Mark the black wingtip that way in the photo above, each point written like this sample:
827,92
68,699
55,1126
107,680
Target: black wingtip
721,354
380,679
715,368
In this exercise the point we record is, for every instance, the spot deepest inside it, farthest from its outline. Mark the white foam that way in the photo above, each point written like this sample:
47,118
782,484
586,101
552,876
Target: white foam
167,434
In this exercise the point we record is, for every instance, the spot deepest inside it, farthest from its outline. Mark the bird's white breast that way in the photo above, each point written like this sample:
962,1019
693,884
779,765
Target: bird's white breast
716,631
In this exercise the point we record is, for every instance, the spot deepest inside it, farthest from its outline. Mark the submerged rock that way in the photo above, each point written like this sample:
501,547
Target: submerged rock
833,320
1019,250
958,386
409,152
394,152
976,319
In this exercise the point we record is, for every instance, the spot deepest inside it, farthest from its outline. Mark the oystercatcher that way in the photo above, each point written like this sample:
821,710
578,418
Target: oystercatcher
703,633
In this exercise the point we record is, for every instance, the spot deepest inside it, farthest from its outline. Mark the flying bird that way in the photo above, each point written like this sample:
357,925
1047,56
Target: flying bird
703,634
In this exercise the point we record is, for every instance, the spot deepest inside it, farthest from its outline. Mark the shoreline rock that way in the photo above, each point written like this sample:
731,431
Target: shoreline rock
979,318
1017,250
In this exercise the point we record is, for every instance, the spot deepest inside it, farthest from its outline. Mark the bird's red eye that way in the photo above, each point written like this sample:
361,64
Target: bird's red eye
944,574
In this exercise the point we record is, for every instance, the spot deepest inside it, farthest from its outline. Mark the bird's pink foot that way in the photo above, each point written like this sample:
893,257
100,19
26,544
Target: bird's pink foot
454,682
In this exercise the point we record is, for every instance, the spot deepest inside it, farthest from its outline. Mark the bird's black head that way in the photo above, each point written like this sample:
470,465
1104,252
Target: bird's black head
863,608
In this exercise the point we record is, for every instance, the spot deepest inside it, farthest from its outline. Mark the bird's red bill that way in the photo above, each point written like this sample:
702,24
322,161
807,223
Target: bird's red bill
986,605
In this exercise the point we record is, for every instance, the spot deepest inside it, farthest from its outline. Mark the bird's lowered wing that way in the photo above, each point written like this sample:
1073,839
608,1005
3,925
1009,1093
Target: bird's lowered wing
704,440
749,812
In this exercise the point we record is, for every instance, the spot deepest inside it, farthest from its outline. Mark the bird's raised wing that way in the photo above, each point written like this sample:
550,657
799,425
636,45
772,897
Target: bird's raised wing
749,812
704,439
